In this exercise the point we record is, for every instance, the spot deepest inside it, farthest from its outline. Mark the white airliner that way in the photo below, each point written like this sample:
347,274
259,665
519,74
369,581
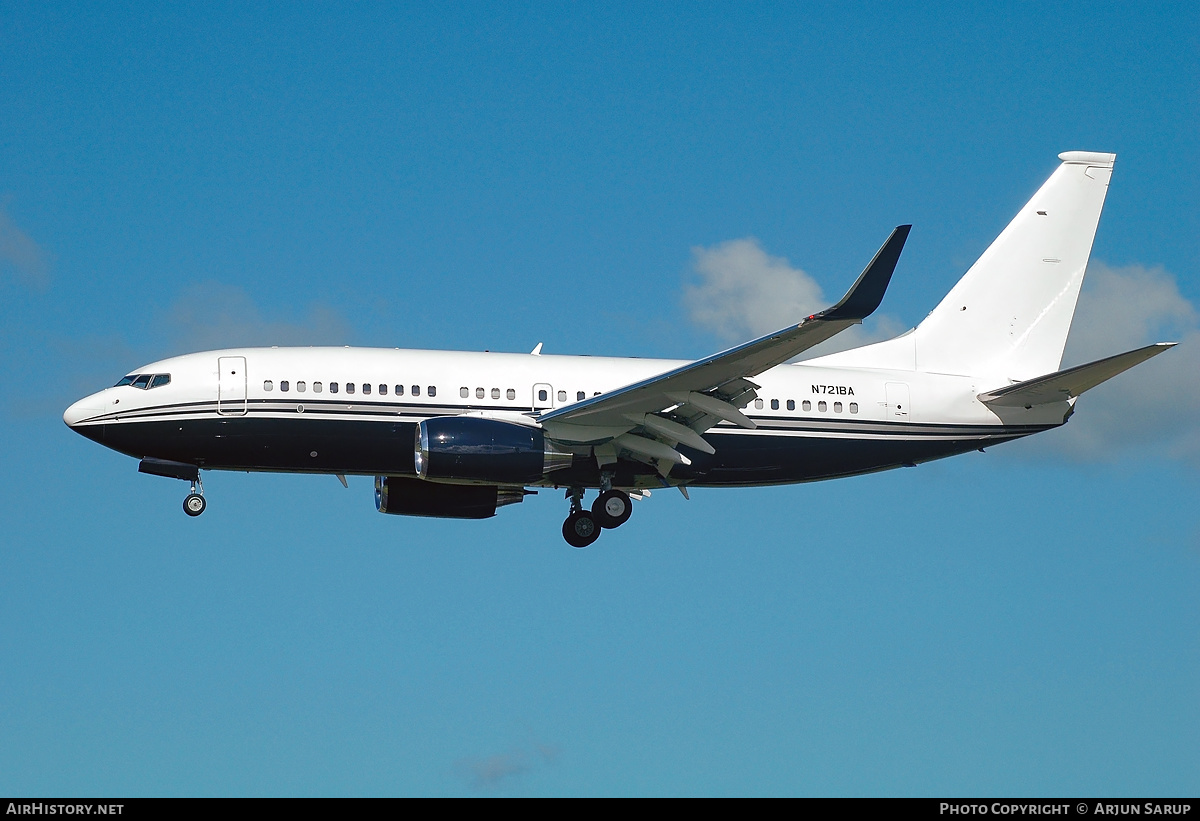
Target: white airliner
459,435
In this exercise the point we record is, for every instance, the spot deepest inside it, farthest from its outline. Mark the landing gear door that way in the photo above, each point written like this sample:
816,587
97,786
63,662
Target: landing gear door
543,397
231,389
897,401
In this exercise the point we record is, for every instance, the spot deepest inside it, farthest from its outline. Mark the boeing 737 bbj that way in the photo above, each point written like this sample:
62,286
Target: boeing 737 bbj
460,435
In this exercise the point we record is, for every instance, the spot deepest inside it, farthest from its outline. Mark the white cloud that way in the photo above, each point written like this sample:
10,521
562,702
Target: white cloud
741,292
1154,407
20,256
1122,308
213,315
206,316
81,365
488,773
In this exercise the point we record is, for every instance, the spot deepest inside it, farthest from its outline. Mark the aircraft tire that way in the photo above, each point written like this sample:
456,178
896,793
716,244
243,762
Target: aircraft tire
612,508
194,504
580,529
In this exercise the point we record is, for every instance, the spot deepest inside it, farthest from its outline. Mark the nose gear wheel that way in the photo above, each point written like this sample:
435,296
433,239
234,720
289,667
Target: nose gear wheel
194,504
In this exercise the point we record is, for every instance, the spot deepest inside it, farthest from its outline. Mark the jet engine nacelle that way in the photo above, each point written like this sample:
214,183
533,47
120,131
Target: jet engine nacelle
405,496
473,449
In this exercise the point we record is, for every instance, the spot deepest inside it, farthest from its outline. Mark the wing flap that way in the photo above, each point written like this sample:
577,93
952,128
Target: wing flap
1064,385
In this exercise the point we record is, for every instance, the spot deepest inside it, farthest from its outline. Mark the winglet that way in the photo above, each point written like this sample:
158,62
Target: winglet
867,292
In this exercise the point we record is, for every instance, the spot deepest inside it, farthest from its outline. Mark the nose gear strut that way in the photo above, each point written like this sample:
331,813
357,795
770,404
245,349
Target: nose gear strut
194,504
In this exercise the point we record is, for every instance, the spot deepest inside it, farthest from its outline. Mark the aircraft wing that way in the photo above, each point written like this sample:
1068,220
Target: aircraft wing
646,419
1063,385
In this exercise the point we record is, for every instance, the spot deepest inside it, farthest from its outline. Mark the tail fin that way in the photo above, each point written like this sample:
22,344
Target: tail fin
1010,314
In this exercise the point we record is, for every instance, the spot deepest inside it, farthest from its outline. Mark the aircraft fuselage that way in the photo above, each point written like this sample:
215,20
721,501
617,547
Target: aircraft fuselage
275,409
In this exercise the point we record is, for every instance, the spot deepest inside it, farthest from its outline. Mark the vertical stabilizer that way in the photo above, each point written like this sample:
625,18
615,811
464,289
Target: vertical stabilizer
1008,317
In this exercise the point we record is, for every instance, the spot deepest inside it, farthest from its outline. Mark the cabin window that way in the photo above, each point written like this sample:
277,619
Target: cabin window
269,385
333,387
316,387
511,394
806,405
822,406
284,385
597,393
350,387
854,407
366,388
758,404
416,390
464,393
562,396
774,404
837,407
399,390
791,404
580,396
479,393
542,396
495,393
300,386
142,381
382,390
432,390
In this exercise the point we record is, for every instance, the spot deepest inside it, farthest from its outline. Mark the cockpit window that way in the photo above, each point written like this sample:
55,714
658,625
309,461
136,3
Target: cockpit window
145,380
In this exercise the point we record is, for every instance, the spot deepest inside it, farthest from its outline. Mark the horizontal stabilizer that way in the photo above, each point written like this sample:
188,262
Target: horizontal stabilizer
1058,387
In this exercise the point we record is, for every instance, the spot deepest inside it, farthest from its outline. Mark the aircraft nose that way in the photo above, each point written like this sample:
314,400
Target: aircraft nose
84,409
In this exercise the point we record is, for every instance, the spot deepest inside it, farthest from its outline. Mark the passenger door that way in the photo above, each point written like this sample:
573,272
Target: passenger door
231,387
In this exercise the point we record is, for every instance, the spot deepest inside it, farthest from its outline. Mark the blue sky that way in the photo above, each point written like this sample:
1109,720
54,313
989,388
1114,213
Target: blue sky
492,176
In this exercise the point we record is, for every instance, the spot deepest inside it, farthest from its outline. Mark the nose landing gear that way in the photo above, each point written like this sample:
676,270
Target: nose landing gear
194,504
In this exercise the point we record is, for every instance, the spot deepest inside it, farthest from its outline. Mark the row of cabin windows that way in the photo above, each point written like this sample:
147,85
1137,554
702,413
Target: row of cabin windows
543,394
414,390
318,387
480,393
145,381
806,405
155,380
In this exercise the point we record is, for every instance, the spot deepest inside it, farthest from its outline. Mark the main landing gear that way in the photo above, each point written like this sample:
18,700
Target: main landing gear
612,508
194,504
